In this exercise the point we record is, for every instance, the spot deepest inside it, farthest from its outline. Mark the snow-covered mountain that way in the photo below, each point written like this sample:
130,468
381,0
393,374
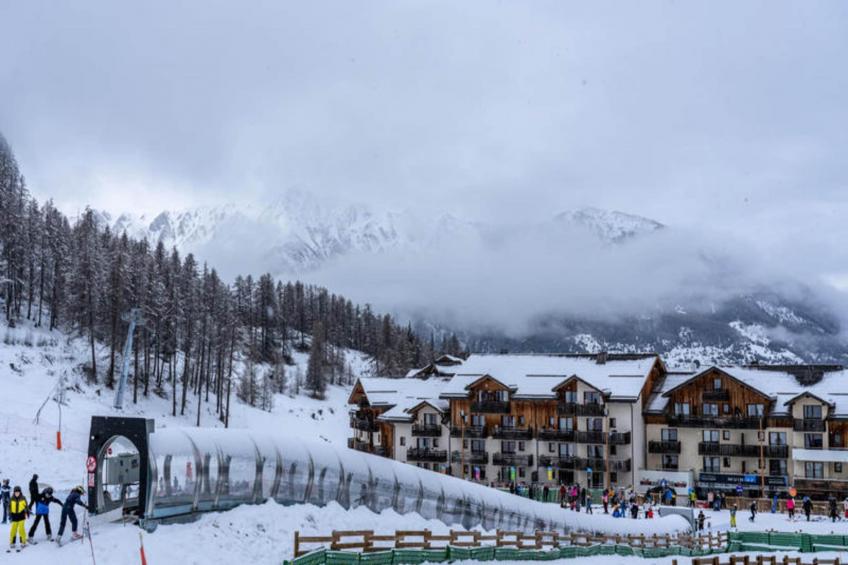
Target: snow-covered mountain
296,234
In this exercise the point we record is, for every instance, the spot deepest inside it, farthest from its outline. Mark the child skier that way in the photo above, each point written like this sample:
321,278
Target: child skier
753,509
69,514
42,511
733,517
18,513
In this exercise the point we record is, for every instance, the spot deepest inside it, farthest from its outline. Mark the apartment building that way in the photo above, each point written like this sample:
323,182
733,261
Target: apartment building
766,428
504,418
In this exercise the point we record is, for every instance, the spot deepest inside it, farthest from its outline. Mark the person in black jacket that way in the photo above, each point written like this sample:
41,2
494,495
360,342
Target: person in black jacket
5,495
33,491
42,510
69,514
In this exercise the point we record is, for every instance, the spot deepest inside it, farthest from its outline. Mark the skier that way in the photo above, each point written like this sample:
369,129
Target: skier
831,508
753,509
33,491
845,507
69,514
733,516
774,504
42,510
691,497
5,495
18,515
701,519
790,507
634,510
605,501
808,507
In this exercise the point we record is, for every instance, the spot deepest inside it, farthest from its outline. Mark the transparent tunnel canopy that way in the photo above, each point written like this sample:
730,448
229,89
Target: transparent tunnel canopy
194,470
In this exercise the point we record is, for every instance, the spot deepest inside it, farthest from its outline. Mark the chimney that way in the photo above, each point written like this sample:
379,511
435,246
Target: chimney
601,358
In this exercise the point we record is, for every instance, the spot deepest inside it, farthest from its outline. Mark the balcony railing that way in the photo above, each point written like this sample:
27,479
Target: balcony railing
424,454
499,432
512,459
471,457
490,406
558,461
670,467
620,466
809,425
426,430
735,450
364,424
576,409
663,447
712,395
557,435
591,437
777,451
595,463
469,431
689,421
619,438
358,445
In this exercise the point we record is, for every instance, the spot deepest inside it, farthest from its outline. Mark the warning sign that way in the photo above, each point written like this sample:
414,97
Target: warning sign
91,464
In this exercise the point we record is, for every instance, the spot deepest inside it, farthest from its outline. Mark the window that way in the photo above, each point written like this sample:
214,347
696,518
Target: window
813,441
521,472
435,442
566,424
465,444
716,383
613,477
570,396
669,462
710,436
566,450
813,470
402,441
726,462
812,411
430,419
552,421
591,397
478,420
595,424
612,422
521,420
613,450
507,447
507,421
478,445
520,446
681,408
761,436
595,451
551,447
712,464
710,409
725,435
756,410
725,408
668,434
777,466
837,467
423,443
777,438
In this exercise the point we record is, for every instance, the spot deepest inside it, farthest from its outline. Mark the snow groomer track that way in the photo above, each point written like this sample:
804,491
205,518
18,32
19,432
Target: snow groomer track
174,474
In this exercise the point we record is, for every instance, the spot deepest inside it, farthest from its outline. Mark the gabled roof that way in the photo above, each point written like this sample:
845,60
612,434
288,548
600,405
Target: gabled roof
474,383
573,378
724,372
809,395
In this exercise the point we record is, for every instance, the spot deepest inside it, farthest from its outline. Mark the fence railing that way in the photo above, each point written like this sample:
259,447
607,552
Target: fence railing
368,541
761,560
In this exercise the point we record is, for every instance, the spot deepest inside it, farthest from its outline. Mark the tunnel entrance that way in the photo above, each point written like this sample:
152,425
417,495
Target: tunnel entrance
119,474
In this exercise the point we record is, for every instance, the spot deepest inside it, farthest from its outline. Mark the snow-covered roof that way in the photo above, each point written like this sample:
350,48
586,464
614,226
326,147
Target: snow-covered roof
658,401
820,455
402,395
781,386
535,376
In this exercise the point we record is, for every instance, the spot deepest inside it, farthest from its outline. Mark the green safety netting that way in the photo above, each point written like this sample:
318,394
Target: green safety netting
483,553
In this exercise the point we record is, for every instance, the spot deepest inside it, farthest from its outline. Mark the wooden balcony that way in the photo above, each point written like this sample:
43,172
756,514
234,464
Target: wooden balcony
810,425
716,395
424,454
688,421
470,457
728,449
512,460
499,432
591,437
490,406
426,430
472,432
365,424
663,447
577,409
620,466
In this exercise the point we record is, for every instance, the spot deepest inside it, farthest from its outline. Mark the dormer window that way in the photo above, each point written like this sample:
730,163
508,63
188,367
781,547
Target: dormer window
812,412
591,397
681,408
756,410
570,396
716,384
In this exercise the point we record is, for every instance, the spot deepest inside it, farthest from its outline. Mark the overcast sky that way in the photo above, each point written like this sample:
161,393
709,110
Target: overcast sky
727,114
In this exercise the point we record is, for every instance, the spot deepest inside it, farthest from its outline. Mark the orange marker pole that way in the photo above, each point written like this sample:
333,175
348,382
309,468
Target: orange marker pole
59,440
141,547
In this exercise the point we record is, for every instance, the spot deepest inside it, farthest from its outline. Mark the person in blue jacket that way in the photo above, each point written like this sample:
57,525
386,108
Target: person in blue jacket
68,513
42,511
